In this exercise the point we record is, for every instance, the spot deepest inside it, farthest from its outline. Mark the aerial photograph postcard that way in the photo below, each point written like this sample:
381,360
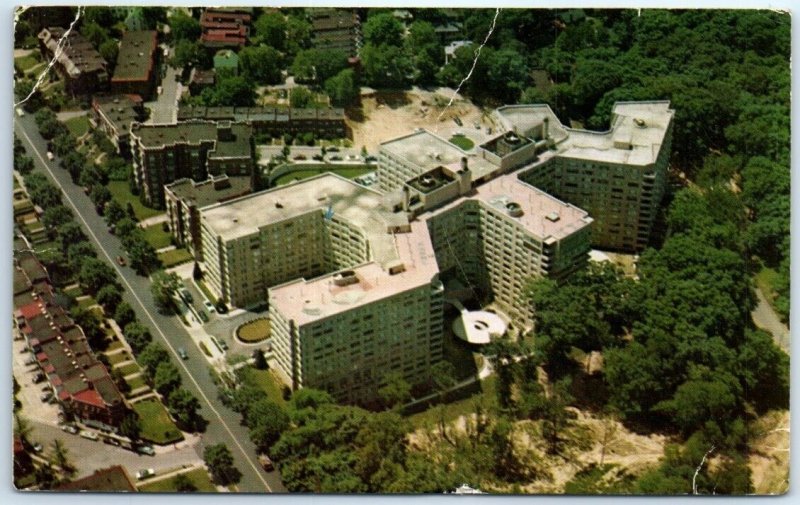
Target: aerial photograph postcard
400,250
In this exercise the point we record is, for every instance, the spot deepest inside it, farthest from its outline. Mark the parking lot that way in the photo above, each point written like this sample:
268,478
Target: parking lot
30,393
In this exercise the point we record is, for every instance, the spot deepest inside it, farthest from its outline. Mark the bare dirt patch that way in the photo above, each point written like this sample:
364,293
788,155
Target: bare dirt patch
386,115
769,453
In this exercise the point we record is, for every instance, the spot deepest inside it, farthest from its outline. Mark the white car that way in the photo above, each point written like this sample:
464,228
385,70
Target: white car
88,434
50,156
209,306
143,474
20,112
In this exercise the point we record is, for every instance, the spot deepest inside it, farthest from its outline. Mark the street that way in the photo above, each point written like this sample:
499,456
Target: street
223,423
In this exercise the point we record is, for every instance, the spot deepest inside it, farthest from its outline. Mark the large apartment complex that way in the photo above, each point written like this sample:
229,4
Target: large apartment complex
618,176
194,149
351,273
136,71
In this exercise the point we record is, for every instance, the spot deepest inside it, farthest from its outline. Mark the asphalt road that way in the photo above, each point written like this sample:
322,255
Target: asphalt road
223,423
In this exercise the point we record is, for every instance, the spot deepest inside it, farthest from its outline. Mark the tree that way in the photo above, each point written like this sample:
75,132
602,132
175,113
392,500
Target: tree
78,252
554,415
63,144
95,274
124,314
23,164
219,460
130,426
94,33
109,297
167,378
443,376
396,391
24,88
61,457
383,29
162,288
231,91
385,66
259,360
151,356
298,34
183,484
100,195
137,335
114,212
266,421
142,254
183,27
270,28
74,162
54,217
109,50
342,88
318,65
261,64
301,97
187,53
184,406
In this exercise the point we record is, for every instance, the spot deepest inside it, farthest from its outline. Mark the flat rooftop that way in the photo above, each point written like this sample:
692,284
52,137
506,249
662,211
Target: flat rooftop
359,206
210,191
306,301
637,132
119,110
135,60
427,151
196,132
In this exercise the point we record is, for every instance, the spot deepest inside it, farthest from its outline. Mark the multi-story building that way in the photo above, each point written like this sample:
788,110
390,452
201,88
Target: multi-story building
336,29
349,271
224,28
136,71
194,149
185,198
81,67
114,115
275,121
618,176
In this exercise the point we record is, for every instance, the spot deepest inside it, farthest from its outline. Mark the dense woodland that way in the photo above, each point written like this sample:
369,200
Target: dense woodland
682,356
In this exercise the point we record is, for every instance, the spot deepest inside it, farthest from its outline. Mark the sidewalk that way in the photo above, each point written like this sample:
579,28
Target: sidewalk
150,221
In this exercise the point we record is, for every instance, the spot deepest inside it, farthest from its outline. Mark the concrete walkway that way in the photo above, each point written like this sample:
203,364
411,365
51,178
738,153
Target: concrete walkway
150,221
70,114
768,320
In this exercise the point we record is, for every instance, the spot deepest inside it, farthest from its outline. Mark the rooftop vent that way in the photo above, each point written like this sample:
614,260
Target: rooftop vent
397,268
427,180
514,209
345,278
553,216
511,138
278,205
639,122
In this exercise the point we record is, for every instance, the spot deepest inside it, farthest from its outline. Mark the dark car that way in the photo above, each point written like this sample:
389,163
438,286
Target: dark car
203,316
121,261
221,307
333,149
318,157
336,158
182,353
265,462
458,121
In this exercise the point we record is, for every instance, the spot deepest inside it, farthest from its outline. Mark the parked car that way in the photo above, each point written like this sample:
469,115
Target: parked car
39,377
336,158
20,112
182,353
90,435
223,344
146,449
46,396
221,307
144,474
37,447
50,156
265,462
209,306
317,157
121,261
203,316
111,441
31,360
458,121
69,428
300,157
333,149
186,295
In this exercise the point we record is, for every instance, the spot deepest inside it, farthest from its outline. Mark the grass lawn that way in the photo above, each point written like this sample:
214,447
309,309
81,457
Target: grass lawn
199,477
136,382
462,142
87,302
40,248
128,369
175,257
254,331
350,173
458,408
74,291
156,236
267,382
156,425
766,280
122,194
25,63
114,346
78,126
118,358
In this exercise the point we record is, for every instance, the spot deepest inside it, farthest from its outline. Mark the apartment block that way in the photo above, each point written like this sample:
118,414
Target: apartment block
78,63
185,197
136,71
275,121
114,115
618,176
224,28
336,29
194,149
